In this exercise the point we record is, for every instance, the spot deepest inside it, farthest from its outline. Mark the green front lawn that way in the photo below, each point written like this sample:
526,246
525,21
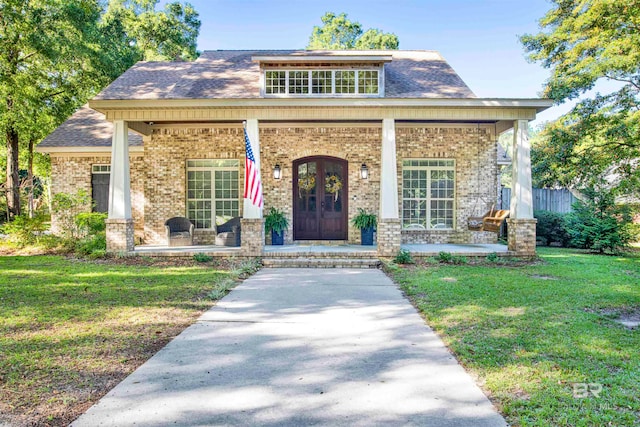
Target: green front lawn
534,334
70,330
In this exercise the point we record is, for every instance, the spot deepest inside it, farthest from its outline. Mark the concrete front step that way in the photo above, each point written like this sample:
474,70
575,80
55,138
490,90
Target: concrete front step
303,262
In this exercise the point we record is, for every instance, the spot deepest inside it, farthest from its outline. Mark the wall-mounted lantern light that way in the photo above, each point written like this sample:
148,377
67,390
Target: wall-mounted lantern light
364,171
277,172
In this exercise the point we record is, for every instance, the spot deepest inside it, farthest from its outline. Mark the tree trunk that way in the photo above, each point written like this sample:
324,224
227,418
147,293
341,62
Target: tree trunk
13,177
30,179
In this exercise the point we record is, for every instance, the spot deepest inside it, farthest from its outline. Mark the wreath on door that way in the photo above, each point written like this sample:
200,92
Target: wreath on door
333,185
306,183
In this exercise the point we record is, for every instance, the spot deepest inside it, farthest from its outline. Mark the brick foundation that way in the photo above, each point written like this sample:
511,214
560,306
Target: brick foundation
120,235
389,237
522,236
252,236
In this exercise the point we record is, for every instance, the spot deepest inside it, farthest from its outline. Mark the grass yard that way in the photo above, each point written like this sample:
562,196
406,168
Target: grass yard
540,338
70,330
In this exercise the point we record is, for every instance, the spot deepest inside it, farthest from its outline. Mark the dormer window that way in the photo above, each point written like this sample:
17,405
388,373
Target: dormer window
328,82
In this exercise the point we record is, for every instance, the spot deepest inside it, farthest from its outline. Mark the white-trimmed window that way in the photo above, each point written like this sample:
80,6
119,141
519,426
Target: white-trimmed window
213,192
325,82
428,194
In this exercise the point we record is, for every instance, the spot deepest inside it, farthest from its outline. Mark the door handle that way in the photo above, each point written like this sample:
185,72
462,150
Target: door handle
322,209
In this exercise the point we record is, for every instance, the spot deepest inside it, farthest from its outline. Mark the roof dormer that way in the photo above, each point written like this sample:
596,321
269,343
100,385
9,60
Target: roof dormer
330,74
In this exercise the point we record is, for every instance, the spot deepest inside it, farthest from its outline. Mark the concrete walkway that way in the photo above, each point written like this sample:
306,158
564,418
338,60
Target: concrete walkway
299,347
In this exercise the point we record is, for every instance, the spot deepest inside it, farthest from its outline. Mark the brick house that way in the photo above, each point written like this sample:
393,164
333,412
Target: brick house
397,133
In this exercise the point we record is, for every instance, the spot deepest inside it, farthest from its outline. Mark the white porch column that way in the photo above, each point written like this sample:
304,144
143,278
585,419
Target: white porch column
388,171
252,223
522,225
388,233
521,193
120,222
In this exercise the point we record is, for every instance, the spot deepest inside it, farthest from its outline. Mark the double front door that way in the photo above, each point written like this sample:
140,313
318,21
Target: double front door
320,199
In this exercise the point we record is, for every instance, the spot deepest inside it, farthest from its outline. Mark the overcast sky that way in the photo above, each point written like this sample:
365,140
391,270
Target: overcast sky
479,38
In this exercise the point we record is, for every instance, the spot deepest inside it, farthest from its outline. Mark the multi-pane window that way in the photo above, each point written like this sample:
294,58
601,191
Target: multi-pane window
428,190
213,195
275,82
368,82
298,82
345,82
322,82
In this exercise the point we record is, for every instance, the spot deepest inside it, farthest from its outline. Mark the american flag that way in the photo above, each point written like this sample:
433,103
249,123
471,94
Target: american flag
252,182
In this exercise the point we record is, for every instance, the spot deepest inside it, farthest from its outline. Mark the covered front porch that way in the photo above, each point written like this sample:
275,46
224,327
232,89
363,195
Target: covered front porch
380,195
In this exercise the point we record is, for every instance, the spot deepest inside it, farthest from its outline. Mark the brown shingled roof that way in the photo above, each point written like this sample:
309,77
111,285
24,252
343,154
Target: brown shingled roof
85,128
232,74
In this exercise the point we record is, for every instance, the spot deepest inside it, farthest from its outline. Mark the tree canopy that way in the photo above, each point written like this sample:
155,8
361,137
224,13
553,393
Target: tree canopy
584,42
339,33
55,54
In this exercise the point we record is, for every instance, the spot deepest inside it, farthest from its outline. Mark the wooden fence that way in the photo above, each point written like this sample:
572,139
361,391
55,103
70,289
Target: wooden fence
545,199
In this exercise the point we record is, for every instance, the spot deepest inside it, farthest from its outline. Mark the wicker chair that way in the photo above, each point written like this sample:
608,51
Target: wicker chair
493,222
179,231
228,233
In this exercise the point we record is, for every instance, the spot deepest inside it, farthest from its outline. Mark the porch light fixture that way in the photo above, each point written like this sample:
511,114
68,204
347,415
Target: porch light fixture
277,172
364,171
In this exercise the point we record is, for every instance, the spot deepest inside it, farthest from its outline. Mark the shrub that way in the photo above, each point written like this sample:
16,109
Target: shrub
200,257
551,228
66,206
459,259
444,257
403,257
24,230
598,224
90,223
492,257
90,244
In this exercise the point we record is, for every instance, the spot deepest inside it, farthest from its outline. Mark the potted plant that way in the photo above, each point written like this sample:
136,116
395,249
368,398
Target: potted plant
367,223
277,223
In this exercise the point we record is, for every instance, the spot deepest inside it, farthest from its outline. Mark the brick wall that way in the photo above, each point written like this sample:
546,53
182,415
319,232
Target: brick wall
160,175
165,158
474,152
357,145
70,174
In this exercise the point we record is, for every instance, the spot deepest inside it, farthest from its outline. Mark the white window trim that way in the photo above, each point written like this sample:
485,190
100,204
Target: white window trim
100,169
428,199
333,94
213,199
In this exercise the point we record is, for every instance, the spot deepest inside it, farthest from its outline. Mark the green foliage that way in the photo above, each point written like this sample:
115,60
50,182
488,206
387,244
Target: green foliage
201,257
492,257
154,35
66,206
25,231
551,228
444,257
404,257
275,220
583,42
94,245
459,260
339,33
54,55
364,220
598,224
91,222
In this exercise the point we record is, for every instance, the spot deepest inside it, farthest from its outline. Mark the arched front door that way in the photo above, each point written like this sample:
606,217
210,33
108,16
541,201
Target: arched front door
320,198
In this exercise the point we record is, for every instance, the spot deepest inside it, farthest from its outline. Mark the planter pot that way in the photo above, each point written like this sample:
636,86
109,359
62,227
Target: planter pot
366,235
277,238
